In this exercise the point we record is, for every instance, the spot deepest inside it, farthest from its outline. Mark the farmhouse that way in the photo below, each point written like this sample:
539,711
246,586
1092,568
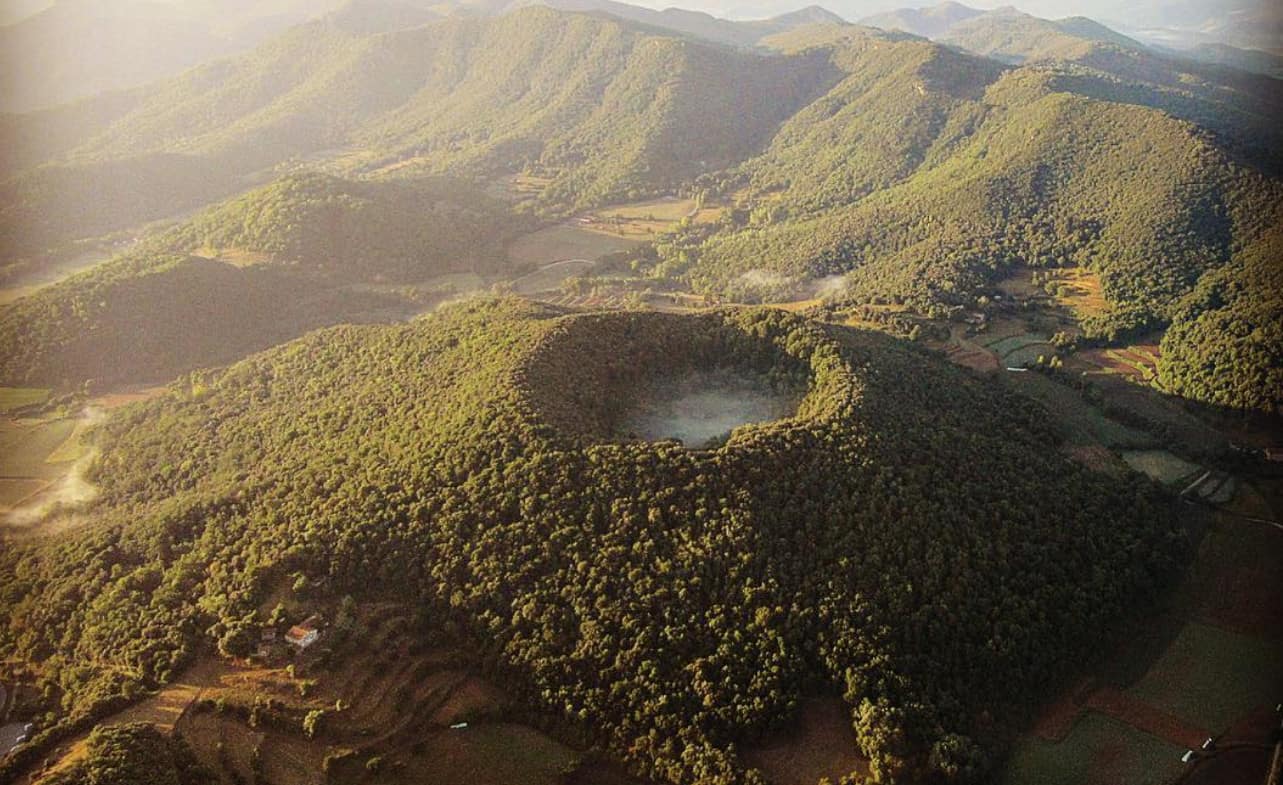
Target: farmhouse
305,633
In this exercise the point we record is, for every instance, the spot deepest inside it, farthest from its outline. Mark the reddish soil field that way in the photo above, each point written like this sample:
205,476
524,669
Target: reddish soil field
1144,717
1057,719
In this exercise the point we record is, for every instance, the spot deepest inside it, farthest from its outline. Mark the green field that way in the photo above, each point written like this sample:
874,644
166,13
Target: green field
1211,677
16,397
1078,421
486,754
550,276
1028,355
1161,466
1004,346
1098,751
558,243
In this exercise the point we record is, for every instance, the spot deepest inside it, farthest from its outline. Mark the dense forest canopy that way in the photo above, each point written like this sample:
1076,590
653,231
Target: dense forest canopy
671,602
299,250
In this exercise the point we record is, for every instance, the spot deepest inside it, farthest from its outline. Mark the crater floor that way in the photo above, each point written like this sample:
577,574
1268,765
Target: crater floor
701,408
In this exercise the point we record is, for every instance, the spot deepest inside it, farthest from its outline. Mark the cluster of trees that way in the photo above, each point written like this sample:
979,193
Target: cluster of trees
909,540
393,231
134,754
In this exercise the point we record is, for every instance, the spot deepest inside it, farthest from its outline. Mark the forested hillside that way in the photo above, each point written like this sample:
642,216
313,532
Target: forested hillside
398,231
669,603
606,110
250,273
927,181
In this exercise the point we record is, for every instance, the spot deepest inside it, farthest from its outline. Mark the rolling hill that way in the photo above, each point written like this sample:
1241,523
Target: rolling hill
666,603
926,22
606,110
300,253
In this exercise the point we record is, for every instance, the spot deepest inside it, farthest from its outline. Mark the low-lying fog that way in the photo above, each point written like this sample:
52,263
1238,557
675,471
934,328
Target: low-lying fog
701,408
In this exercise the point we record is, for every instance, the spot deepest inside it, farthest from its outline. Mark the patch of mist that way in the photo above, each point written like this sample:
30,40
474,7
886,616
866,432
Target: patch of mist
765,279
829,286
57,505
702,408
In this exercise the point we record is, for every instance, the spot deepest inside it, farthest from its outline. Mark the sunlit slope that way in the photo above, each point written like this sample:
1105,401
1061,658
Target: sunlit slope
250,273
605,109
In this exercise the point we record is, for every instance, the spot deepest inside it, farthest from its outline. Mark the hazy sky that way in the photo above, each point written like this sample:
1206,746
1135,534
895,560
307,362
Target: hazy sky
1261,17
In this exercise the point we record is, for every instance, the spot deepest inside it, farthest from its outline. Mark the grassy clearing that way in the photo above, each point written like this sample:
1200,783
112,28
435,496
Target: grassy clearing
550,276
1098,751
668,210
1004,347
1028,355
822,744
1136,361
25,447
1080,423
237,257
1076,289
638,220
1212,677
16,397
74,448
562,242
1161,466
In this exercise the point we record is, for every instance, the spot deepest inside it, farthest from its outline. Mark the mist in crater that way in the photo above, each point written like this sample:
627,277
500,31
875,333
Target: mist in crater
701,408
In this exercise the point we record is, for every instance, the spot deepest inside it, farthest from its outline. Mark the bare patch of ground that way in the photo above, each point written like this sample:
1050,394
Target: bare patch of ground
821,744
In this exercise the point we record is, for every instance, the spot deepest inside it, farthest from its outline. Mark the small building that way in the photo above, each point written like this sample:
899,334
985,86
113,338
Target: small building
1274,454
1188,756
305,633
268,635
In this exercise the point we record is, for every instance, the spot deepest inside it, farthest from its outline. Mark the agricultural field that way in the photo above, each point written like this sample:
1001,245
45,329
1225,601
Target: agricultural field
564,242
1211,677
1137,362
1205,666
1161,466
1018,351
393,704
550,276
17,397
1079,422
34,276
40,456
1073,289
1099,750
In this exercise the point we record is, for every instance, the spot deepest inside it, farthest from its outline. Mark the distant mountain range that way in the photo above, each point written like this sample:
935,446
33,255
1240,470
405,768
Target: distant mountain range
78,48
1016,36
918,172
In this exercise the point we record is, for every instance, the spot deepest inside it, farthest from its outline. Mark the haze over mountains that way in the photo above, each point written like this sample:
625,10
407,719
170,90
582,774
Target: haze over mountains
76,48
